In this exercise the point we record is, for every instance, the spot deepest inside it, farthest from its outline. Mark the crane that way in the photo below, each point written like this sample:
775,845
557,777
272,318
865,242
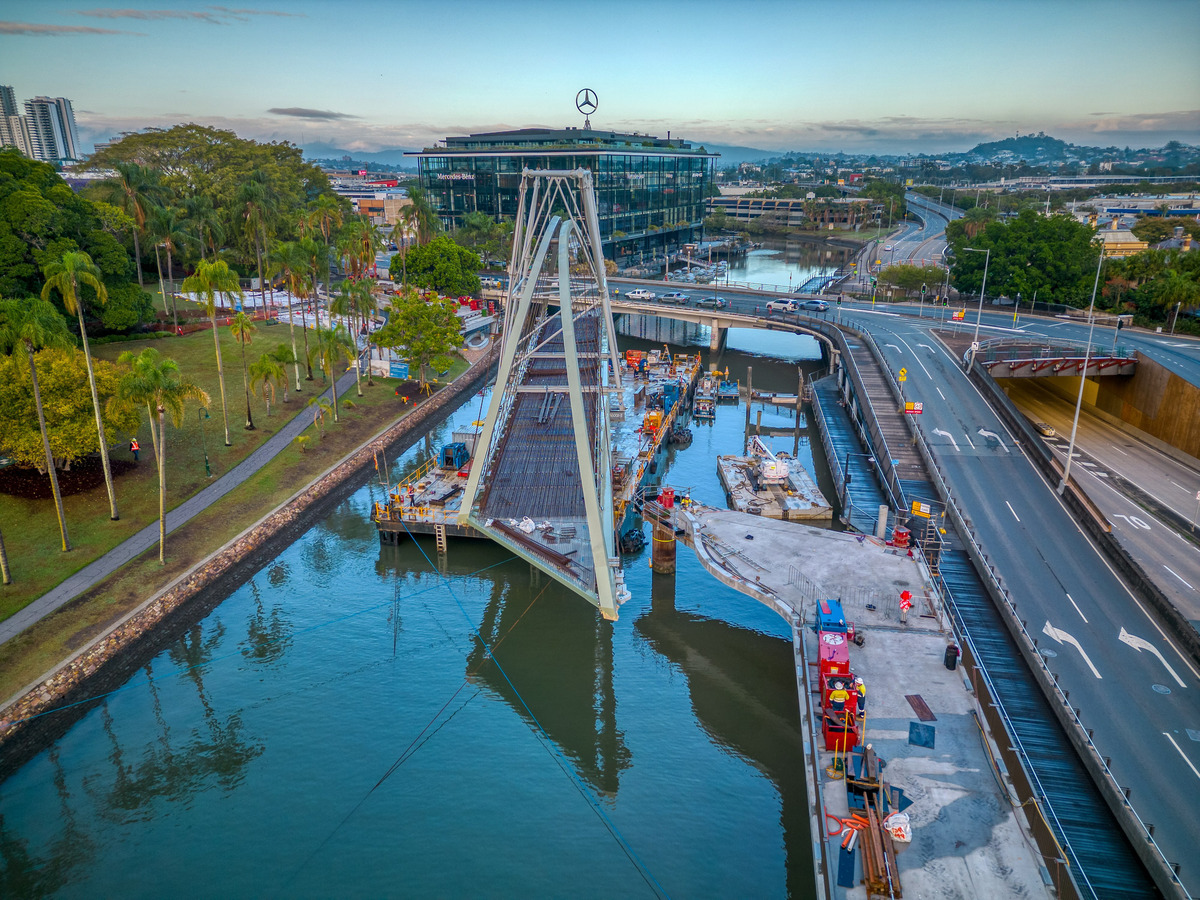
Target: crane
771,468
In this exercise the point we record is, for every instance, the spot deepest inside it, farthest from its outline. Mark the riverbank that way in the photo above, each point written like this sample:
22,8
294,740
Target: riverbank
106,643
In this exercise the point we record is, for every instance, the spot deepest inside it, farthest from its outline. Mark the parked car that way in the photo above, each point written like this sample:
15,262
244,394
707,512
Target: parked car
713,302
774,306
641,294
815,305
674,297
1044,429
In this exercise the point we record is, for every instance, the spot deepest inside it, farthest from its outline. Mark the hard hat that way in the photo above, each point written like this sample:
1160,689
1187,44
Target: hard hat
858,679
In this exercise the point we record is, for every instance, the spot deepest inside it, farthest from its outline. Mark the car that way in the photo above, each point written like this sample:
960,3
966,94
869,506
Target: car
887,248
713,302
674,297
640,294
816,305
774,306
1044,429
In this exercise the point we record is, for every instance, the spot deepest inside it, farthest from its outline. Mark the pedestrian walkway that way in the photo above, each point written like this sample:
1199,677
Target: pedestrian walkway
99,569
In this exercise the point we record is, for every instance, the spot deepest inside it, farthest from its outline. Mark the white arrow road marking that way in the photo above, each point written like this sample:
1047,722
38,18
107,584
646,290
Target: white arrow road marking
927,347
995,436
1141,644
947,434
1077,609
1063,638
895,347
1181,753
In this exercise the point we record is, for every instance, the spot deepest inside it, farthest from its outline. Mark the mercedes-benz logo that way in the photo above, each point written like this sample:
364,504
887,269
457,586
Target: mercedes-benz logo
586,101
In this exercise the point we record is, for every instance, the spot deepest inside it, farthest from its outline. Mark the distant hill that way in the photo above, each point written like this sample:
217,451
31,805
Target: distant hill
1038,146
732,155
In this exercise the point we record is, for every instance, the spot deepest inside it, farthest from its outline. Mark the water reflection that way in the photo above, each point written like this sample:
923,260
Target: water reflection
726,667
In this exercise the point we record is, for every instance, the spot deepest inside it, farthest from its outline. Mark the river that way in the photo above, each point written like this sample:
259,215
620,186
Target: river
336,726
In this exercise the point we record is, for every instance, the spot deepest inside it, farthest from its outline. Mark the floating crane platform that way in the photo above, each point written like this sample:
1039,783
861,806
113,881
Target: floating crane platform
775,486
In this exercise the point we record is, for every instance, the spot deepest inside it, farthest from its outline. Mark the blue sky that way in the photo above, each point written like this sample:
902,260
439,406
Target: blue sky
806,74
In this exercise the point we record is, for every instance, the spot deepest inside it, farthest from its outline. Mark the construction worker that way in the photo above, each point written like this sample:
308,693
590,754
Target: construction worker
862,695
134,447
838,697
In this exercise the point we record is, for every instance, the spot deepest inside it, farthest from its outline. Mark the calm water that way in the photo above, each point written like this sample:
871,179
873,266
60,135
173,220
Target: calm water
788,263
336,727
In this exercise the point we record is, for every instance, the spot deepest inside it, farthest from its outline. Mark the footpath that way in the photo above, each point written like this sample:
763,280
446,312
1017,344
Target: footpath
102,567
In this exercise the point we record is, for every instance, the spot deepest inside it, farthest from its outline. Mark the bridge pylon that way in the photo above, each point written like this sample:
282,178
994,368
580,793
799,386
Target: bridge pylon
541,481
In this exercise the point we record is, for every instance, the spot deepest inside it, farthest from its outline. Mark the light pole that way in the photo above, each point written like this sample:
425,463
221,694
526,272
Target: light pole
987,259
201,415
1082,378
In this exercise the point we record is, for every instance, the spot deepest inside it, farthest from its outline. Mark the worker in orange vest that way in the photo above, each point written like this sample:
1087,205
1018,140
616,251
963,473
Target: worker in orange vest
862,695
134,448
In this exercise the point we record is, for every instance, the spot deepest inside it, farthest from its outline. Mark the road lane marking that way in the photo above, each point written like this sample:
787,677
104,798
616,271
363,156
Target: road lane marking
1177,575
993,434
1064,638
1078,610
947,435
1181,753
940,394
969,441
915,356
1181,487
1119,450
1140,644
1011,510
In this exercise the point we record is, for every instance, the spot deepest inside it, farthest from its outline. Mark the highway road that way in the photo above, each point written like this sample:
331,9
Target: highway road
1135,689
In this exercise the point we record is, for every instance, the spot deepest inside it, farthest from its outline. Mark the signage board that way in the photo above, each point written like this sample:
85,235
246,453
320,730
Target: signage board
921,509
913,408
398,369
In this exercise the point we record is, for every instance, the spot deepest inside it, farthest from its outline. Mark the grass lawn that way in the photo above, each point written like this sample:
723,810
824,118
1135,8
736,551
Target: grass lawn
34,549
41,647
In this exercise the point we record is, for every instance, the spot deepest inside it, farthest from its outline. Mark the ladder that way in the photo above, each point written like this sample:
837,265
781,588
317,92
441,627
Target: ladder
439,530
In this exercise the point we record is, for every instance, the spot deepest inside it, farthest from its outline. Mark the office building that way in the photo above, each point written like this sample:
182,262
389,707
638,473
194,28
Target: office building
52,129
650,191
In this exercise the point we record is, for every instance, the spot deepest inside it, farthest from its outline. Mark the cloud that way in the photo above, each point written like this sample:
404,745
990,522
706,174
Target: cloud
40,30
1177,120
301,112
214,15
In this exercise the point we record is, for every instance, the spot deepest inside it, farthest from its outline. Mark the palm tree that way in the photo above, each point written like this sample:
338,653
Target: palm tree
204,222
325,215
170,234
66,276
265,372
312,251
256,203
293,263
334,346
424,216
157,383
284,355
359,243
134,189
243,327
209,279
320,407
36,324
344,304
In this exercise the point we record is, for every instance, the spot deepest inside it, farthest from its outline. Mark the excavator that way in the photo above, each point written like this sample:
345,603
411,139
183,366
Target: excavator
772,469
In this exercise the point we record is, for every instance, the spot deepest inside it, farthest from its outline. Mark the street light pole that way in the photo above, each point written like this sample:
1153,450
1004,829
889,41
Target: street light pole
203,439
987,259
1082,378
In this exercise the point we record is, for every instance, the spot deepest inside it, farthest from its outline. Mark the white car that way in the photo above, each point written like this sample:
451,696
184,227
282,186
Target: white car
641,294
674,297
782,306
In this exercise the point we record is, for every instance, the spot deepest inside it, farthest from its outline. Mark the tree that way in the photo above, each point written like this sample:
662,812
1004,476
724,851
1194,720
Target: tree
424,217
443,266
292,264
209,279
203,223
35,324
255,205
334,345
426,333
170,233
320,407
325,215
156,382
243,328
136,190
359,242
265,372
67,276
907,277
285,356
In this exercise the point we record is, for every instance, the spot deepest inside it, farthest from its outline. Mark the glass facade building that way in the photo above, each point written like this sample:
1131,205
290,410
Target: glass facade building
650,192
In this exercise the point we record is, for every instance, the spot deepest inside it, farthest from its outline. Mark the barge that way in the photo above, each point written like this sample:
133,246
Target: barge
776,486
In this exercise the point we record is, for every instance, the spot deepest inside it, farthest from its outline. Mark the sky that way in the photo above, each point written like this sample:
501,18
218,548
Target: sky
823,75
